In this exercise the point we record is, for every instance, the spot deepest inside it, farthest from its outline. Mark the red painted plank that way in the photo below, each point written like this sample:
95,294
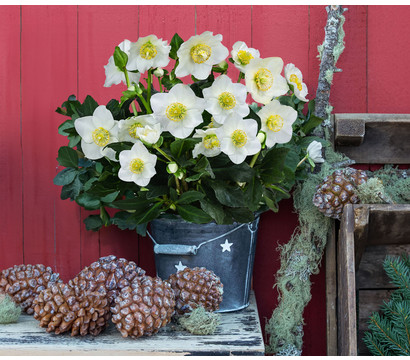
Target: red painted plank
101,28
11,235
388,54
49,63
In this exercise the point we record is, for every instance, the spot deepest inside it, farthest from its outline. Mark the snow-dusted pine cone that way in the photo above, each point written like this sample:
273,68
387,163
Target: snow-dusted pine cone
143,307
60,308
337,190
24,282
196,287
108,276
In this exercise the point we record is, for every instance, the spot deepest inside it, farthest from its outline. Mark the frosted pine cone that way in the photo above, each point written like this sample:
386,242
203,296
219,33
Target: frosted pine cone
337,190
143,307
196,287
24,282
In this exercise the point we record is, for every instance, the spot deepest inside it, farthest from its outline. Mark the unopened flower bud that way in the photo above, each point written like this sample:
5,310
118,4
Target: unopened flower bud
138,90
173,207
131,88
223,65
159,72
261,137
172,168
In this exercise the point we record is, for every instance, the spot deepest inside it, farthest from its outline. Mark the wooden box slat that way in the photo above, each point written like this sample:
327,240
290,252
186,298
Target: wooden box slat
238,334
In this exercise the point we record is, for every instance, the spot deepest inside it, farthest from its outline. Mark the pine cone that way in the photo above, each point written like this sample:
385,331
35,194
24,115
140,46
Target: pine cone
196,287
24,282
337,190
107,276
143,307
59,308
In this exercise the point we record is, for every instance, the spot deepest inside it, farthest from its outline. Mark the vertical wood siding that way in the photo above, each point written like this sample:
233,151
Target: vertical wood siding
50,52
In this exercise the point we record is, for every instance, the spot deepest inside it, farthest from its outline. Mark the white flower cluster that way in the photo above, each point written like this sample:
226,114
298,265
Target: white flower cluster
179,111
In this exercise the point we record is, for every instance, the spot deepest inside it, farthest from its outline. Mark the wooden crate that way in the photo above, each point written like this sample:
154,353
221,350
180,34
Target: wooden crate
355,281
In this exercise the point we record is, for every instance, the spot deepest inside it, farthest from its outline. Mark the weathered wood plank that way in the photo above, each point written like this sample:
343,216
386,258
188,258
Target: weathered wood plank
238,334
371,274
361,230
385,138
369,301
347,341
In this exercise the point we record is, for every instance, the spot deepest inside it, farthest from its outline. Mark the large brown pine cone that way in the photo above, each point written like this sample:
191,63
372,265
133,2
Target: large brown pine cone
143,307
196,287
24,282
59,308
337,190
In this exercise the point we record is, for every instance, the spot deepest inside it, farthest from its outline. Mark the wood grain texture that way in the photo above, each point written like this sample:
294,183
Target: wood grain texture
51,226
239,333
11,194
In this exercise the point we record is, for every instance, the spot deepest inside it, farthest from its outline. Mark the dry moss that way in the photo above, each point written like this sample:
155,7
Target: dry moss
200,322
9,311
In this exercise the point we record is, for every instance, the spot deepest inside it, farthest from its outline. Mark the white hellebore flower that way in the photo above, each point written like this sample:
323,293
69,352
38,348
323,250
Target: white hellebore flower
199,53
277,120
113,74
314,152
294,77
149,134
263,79
179,111
137,165
242,55
148,52
209,146
238,138
96,132
127,129
225,98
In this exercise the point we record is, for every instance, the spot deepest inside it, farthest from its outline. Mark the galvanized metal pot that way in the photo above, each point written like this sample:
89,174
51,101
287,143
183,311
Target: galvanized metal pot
228,250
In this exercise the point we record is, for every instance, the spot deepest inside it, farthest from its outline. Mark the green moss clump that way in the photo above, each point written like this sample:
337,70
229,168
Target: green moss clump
9,311
200,322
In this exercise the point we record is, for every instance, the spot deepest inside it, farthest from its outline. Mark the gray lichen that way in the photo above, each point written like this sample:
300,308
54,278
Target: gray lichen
200,322
9,311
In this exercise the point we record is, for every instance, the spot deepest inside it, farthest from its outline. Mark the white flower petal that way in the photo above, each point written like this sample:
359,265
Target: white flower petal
102,117
91,150
84,127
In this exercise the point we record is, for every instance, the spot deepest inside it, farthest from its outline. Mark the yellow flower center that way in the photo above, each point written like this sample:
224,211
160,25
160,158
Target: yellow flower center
176,111
101,136
211,141
133,130
239,138
293,78
136,166
148,51
227,100
264,79
201,53
274,123
244,57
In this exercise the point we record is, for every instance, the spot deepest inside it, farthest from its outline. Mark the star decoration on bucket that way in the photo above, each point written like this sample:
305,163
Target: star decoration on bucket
180,266
226,246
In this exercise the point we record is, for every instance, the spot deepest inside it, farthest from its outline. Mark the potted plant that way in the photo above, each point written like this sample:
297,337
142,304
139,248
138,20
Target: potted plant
192,158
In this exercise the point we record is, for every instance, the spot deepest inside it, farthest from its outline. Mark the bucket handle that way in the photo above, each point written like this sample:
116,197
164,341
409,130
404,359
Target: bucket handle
172,249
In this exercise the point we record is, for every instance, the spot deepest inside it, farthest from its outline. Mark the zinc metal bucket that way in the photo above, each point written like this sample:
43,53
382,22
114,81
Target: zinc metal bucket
227,250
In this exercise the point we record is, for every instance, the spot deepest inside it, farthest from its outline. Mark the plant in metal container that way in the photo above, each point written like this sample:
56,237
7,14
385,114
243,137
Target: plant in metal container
192,151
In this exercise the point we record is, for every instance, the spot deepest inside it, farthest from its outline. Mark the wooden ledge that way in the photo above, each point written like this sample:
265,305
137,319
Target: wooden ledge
238,334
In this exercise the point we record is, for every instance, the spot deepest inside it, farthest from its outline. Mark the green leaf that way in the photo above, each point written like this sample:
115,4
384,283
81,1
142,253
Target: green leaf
72,190
189,197
176,42
70,106
203,165
120,58
88,106
155,191
238,173
311,124
93,222
73,140
179,147
120,146
193,214
271,169
105,217
213,209
270,199
67,128
65,176
241,215
110,197
132,204
67,157
123,220
228,195
148,214
253,194
195,177
173,194
88,201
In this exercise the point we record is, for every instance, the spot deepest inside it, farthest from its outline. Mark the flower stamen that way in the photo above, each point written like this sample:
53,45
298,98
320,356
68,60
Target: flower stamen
176,111
201,53
211,141
293,78
239,138
244,57
227,100
101,136
133,130
274,123
137,166
148,51
264,79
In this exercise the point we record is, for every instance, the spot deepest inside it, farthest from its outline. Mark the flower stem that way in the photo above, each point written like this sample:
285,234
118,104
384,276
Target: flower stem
302,161
255,157
127,79
240,77
145,103
177,184
149,85
160,85
162,152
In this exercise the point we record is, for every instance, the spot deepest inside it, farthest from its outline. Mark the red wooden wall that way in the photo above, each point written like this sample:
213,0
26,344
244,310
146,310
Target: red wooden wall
50,52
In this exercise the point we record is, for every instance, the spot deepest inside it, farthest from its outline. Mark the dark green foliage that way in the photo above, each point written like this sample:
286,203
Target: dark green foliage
389,332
